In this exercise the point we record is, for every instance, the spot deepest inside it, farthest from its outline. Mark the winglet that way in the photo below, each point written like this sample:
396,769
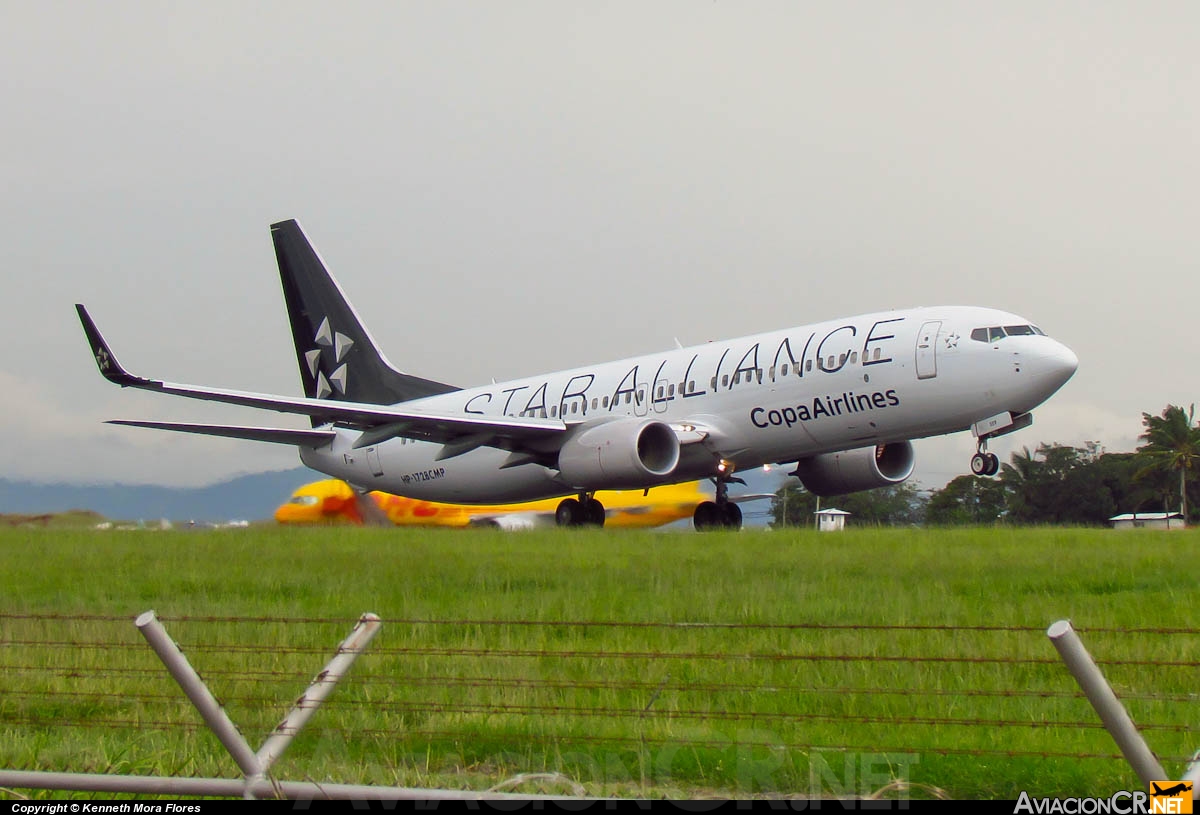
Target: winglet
106,361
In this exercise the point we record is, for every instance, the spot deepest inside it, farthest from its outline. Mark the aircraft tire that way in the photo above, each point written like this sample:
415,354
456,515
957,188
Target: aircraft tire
979,464
733,516
706,516
993,464
594,512
569,513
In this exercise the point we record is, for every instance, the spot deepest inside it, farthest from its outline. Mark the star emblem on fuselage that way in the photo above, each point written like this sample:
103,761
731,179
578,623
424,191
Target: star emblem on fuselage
952,340
332,347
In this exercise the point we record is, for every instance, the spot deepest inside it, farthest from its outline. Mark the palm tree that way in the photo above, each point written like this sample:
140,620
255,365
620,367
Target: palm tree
1172,443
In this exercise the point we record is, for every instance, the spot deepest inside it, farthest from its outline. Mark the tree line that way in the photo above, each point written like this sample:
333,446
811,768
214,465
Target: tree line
1053,484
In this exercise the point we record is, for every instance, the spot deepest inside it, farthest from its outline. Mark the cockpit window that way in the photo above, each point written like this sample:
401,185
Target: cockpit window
995,333
305,500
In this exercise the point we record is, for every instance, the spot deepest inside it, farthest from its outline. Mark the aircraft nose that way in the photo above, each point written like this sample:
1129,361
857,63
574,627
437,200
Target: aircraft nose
1059,364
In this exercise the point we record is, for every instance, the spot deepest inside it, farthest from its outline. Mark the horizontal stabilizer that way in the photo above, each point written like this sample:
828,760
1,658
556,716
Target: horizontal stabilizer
277,435
751,496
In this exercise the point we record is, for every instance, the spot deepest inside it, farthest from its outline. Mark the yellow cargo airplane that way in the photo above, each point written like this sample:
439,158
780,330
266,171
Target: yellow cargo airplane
335,502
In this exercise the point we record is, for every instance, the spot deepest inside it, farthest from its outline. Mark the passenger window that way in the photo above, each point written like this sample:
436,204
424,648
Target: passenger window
714,383
692,386
671,390
842,360
796,368
554,410
605,402
659,392
594,403
783,369
808,366
725,381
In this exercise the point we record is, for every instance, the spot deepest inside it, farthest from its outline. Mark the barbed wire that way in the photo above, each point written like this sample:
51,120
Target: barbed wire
633,742
496,682
155,709
682,625
501,653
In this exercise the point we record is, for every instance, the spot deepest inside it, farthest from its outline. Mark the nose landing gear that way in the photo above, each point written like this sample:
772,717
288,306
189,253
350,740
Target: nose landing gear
983,462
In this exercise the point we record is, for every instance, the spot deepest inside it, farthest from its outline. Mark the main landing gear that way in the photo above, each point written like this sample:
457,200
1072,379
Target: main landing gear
983,462
721,513
582,511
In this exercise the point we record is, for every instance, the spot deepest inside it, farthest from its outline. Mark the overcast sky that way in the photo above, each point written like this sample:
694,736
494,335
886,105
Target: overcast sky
508,188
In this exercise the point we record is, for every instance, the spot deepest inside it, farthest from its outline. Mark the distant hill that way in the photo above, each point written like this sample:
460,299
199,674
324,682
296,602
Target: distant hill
249,497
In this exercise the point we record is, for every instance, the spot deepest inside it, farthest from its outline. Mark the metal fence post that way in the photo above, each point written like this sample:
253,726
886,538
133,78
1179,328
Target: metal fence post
1112,712
210,709
324,683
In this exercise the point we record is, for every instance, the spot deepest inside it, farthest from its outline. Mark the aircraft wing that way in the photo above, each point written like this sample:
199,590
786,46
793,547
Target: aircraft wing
380,422
278,435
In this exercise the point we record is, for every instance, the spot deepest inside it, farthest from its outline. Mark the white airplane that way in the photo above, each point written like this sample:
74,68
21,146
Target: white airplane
843,399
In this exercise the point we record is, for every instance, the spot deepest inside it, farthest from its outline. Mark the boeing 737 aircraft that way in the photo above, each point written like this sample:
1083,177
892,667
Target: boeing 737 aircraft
843,399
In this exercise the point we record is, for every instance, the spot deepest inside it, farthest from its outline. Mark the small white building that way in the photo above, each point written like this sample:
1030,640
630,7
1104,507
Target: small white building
831,520
1148,520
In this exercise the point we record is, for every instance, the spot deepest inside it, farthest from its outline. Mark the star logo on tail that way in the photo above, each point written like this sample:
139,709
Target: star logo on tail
332,347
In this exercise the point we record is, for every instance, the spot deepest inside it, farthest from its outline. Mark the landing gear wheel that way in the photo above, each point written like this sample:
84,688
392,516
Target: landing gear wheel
733,516
569,513
993,463
721,513
593,512
979,464
707,516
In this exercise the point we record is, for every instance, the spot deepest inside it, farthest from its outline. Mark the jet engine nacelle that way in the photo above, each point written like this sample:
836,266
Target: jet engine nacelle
621,454
854,470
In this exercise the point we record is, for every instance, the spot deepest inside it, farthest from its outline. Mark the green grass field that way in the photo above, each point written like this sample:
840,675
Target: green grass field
803,694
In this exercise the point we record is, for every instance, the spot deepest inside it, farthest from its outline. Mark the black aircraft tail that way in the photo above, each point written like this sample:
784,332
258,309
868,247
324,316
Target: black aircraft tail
337,357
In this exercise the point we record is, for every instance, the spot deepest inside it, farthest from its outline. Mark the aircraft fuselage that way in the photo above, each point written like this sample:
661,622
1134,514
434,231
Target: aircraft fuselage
767,398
